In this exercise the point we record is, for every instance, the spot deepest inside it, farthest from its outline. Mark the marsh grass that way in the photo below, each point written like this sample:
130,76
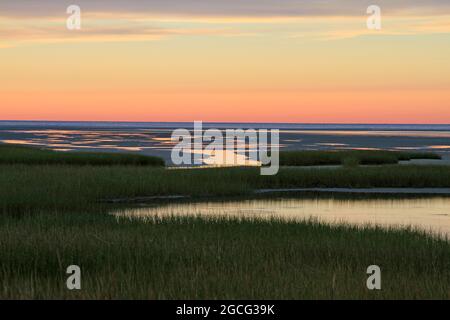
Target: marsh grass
194,258
364,157
52,216
16,154
26,188
351,162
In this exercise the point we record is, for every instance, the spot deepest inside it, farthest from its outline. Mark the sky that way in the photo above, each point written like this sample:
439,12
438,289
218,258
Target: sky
226,61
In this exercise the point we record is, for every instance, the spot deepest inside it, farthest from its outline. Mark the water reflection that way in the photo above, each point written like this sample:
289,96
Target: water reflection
157,141
429,214
432,134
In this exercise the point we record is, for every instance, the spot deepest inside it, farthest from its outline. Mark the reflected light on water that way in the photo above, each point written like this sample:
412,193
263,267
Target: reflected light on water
158,142
429,214
429,134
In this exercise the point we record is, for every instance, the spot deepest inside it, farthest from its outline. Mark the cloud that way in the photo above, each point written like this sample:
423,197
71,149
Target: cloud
228,8
24,21
346,28
15,31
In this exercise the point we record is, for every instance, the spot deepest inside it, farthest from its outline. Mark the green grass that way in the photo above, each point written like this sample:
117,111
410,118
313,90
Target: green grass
353,157
52,216
26,188
16,154
193,258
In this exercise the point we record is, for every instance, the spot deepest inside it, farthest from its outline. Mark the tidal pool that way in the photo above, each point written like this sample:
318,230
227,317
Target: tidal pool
428,214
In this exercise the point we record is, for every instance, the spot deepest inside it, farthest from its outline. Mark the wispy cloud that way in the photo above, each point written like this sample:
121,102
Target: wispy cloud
23,21
15,31
345,28
234,8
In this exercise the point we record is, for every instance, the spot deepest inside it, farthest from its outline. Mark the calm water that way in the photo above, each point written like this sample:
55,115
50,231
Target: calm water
429,214
154,138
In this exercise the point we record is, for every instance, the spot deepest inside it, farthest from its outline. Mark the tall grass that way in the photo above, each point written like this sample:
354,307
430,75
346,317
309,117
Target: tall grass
27,188
52,216
193,258
369,157
14,154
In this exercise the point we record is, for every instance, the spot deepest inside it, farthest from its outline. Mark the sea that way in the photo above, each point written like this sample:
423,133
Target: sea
154,138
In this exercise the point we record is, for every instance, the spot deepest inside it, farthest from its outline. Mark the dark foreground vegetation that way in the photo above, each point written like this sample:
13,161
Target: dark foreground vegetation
52,215
193,258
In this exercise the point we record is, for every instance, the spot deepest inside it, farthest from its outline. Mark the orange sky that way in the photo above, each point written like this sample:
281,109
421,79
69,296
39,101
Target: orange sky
243,69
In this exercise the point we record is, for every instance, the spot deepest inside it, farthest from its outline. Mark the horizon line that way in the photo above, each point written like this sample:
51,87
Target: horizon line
230,122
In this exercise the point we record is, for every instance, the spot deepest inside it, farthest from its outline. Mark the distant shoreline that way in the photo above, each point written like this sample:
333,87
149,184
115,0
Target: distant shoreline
224,125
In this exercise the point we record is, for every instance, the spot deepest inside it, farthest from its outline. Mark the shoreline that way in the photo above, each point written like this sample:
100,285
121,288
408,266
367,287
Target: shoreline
394,191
